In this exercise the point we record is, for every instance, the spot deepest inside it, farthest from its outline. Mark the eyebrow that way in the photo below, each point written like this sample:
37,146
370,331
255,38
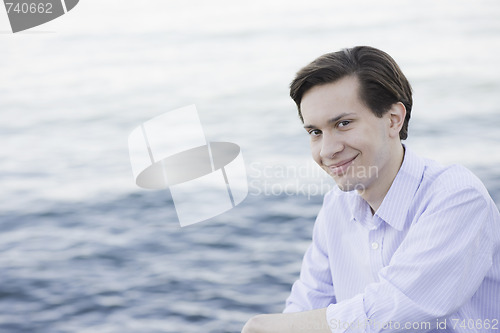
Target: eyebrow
333,120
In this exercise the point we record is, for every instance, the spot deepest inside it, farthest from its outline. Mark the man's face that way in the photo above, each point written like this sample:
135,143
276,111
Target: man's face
347,139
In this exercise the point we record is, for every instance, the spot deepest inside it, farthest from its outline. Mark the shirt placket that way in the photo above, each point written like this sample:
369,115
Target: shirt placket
375,245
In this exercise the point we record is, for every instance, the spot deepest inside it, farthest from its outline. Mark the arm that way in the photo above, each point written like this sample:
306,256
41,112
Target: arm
314,288
300,322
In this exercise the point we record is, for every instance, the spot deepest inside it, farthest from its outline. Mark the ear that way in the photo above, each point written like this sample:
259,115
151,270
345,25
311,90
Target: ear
396,115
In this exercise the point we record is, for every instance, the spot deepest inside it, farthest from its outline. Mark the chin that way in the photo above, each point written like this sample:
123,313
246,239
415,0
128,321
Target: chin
346,187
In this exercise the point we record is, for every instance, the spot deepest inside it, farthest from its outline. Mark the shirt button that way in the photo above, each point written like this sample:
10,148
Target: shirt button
374,246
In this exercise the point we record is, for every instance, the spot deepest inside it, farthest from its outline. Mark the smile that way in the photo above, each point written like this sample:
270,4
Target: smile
341,168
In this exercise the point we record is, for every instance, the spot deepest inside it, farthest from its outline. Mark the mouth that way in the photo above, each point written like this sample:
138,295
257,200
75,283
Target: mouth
341,167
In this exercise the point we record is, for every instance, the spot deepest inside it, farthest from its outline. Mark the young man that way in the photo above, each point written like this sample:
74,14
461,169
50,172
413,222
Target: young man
403,243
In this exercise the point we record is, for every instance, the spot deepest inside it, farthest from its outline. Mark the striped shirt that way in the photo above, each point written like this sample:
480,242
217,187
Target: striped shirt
428,260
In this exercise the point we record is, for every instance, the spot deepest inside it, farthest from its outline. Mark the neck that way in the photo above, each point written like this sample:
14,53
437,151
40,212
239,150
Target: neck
377,192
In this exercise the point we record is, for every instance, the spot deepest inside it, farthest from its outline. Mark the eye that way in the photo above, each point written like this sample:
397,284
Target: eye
314,132
344,123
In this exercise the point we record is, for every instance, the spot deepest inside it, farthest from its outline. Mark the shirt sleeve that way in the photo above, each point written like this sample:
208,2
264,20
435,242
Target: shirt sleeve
437,268
314,289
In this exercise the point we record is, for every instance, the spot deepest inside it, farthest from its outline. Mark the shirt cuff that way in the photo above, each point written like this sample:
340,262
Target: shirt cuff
347,316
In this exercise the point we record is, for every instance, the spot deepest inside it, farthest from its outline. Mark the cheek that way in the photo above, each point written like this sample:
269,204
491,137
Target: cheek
364,140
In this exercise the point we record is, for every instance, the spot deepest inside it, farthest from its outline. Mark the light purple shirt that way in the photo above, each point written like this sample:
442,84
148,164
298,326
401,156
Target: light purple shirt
428,258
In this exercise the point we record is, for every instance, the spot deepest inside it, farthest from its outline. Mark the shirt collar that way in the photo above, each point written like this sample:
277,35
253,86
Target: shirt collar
361,212
397,201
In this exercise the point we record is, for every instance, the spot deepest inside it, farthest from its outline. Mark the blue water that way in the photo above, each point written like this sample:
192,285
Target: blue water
82,249
118,265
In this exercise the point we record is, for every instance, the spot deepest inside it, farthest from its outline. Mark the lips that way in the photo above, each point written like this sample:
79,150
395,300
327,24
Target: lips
341,167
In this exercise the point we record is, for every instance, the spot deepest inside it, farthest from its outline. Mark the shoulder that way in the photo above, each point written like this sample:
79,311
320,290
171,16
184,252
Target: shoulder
452,187
449,179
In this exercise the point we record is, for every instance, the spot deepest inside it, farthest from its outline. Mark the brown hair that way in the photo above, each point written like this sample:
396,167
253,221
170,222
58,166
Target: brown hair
382,83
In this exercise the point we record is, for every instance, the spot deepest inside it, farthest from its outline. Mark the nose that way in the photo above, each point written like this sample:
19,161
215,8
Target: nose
330,146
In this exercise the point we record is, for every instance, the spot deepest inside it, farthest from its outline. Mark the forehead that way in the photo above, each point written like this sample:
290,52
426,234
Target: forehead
332,99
